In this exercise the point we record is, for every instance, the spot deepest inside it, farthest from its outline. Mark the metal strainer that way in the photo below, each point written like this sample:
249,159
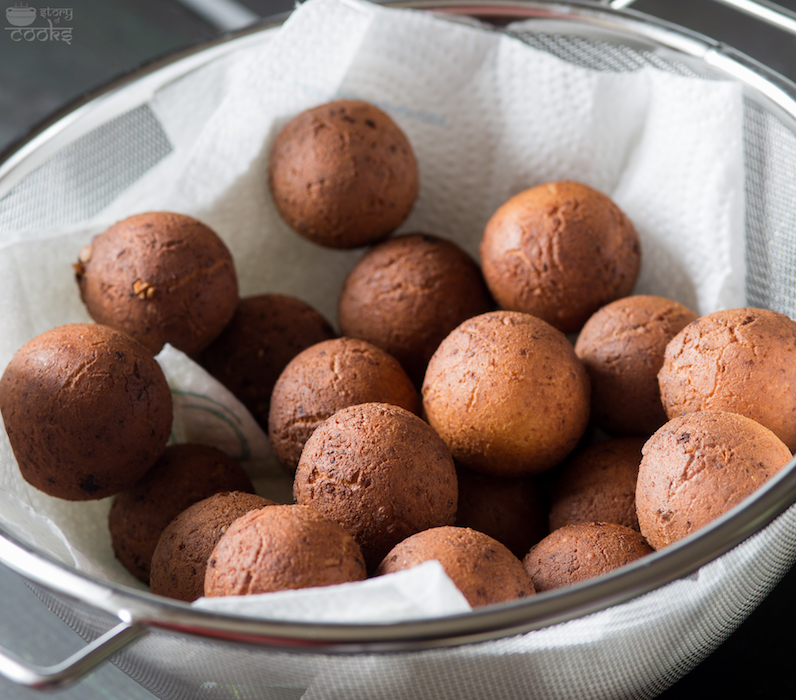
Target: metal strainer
629,634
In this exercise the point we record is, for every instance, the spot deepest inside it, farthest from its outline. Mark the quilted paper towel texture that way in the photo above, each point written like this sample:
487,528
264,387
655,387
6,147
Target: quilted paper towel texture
488,116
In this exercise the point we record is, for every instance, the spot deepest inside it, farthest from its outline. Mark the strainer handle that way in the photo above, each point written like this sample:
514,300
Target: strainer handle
764,10
73,668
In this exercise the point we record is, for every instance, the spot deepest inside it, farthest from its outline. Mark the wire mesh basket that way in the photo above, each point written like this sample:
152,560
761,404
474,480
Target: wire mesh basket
629,634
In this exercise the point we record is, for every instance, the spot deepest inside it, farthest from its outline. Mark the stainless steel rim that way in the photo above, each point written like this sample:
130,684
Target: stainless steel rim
142,609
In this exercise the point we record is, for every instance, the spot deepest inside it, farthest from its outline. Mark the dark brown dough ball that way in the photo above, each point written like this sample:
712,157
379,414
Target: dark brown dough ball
379,471
266,332
560,251
510,510
281,548
507,394
87,411
622,348
325,378
697,467
575,553
483,569
161,278
343,174
180,557
406,294
183,475
738,360
598,483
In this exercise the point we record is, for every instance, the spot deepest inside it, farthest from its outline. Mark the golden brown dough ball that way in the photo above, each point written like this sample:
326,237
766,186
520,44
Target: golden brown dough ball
697,467
484,570
162,278
622,348
180,558
739,360
507,394
87,410
598,483
579,552
183,475
560,251
323,379
379,471
343,174
266,332
280,548
406,294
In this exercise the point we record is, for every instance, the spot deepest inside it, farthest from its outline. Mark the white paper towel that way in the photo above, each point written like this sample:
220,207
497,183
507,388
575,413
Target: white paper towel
488,116
419,592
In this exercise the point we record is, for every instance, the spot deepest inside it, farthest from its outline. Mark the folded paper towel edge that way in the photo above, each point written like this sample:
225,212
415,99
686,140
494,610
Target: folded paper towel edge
420,592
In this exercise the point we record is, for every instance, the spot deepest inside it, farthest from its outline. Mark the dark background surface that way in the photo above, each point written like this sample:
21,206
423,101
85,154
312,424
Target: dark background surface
111,37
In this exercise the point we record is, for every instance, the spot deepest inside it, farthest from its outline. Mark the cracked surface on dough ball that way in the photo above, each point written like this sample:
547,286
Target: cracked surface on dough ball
622,347
406,294
184,474
343,174
87,410
161,278
578,552
323,379
278,548
739,360
484,570
560,251
507,393
180,558
698,466
381,472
